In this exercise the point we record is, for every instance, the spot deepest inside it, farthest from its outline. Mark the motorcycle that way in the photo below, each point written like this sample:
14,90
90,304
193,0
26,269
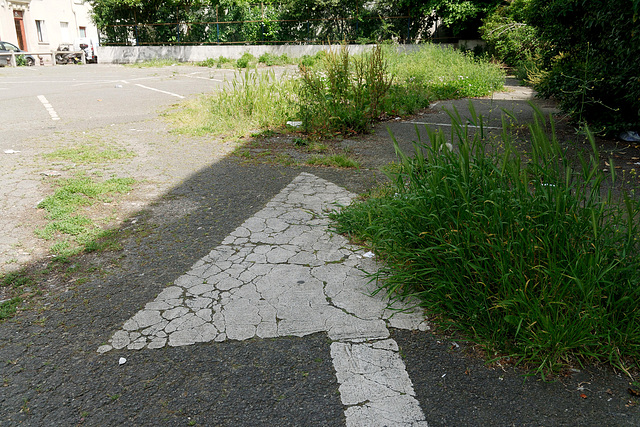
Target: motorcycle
67,58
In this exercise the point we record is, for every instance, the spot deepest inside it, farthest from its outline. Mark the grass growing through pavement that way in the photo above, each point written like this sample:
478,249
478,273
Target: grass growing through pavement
155,63
339,92
89,153
72,230
253,100
18,282
434,72
8,308
334,160
346,93
535,260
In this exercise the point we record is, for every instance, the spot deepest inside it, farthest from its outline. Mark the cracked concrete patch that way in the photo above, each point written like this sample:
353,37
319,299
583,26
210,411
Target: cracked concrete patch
282,273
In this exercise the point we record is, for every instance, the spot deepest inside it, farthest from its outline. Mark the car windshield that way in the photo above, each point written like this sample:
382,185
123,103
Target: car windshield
10,47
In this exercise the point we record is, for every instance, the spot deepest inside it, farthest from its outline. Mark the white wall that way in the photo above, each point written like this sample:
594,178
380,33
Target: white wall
133,54
76,13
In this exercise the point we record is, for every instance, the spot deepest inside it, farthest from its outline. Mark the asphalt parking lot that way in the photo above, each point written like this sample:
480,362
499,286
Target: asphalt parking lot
95,95
88,356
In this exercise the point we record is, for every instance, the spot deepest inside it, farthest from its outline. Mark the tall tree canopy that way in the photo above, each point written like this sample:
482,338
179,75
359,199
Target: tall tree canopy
593,58
289,20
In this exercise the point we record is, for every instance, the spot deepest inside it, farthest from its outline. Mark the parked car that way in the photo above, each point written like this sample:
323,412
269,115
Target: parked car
9,47
90,48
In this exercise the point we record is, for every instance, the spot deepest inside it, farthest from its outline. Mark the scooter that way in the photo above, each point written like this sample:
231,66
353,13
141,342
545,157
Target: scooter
67,58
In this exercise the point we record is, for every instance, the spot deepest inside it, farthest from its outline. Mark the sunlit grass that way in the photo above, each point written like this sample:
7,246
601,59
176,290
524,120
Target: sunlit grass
72,229
340,90
533,260
89,153
253,100
434,73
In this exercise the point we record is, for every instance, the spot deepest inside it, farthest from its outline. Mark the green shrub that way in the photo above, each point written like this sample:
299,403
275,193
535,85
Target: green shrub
592,60
209,62
508,38
346,95
534,259
313,60
245,60
270,59
267,59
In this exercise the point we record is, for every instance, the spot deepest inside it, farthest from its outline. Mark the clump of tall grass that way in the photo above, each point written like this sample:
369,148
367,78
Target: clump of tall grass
252,100
536,259
345,94
270,59
245,60
221,62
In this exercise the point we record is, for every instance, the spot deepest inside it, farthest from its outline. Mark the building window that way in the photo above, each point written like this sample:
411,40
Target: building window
82,32
42,32
64,32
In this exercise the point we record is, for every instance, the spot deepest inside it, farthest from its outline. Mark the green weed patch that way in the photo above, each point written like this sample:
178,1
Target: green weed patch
535,260
8,308
253,100
337,92
67,222
335,160
155,63
88,154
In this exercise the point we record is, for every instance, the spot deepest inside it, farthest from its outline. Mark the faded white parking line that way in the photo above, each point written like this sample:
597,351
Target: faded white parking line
191,76
161,91
52,112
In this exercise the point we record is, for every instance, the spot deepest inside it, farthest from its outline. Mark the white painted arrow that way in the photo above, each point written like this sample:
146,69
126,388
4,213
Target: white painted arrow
283,273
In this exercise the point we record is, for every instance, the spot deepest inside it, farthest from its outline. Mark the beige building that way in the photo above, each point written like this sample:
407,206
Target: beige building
42,25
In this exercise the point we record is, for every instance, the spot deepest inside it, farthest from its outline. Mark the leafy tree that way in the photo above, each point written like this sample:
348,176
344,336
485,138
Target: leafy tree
185,21
509,38
592,58
461,17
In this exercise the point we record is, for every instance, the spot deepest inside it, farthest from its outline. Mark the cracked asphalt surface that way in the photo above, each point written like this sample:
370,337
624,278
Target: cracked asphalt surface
193,198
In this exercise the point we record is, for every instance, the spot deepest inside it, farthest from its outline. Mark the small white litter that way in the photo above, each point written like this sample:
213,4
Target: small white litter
294,124
118,86
122,361
369,255
11,152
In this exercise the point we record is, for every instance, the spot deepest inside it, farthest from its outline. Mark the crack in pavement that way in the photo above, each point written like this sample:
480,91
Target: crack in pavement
282,273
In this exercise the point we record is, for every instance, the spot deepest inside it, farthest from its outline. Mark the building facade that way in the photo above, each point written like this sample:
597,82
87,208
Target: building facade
42,25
